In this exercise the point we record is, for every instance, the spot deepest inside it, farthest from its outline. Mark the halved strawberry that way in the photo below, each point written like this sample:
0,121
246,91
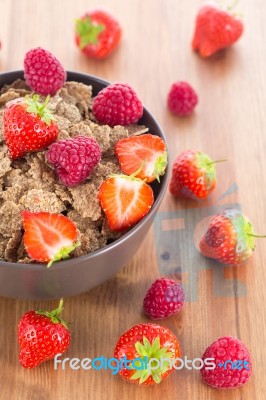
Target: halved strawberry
125,201
145,152
48,236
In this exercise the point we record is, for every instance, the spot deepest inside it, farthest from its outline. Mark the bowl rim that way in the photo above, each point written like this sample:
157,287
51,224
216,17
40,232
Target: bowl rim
132,232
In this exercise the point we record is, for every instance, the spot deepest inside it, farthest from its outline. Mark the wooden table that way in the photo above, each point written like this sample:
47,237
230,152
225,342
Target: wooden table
228,124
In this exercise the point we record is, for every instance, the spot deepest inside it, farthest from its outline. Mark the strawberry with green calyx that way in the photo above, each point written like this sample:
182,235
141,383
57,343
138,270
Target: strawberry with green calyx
49,237
42,335
40,109
230,238
146,150
216,29
149,343
125,200
28,126
193,175
97,34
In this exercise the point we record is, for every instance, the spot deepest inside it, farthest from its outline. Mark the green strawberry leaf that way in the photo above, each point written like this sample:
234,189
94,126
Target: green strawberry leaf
160,166
63,253
88,31
54,315
149,351
33,106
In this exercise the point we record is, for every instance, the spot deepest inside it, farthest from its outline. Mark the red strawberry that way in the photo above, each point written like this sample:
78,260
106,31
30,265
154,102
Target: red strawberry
42,335
125,201
28,126
215,30
147,341
229,238
233,364
97,34
48,236
193,175
146,153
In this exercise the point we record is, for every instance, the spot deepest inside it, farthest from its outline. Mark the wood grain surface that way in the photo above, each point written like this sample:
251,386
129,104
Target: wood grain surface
229,123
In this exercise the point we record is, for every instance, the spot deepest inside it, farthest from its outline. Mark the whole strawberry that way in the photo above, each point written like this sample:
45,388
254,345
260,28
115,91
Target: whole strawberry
48,237
193,175
74,159
43,73
182,99
28,126
42,335
165,297
233,364
215,30
117,104
230,238
146,342
97,34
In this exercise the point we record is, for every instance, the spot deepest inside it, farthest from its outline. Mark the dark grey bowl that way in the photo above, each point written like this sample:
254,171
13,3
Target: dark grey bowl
78,275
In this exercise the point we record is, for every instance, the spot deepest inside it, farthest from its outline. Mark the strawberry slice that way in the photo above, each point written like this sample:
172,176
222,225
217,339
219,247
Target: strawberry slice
146,152
125,201
48,236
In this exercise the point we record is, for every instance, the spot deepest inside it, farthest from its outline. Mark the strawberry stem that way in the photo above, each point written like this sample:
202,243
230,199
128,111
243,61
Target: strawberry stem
232,5
256,236
63,253
35,107
60,307
54,314
215,162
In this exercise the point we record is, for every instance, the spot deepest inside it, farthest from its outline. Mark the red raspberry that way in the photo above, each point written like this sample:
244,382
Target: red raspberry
43,72
74,159
117,104
165,297
182,99
226,375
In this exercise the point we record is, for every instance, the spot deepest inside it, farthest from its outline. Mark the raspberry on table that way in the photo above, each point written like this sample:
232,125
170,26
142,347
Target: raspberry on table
74,159
117,104
43,72
182,99
233,363
165,297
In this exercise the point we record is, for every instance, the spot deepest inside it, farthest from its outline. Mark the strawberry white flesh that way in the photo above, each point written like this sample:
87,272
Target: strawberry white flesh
145,153
48,236
125,201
